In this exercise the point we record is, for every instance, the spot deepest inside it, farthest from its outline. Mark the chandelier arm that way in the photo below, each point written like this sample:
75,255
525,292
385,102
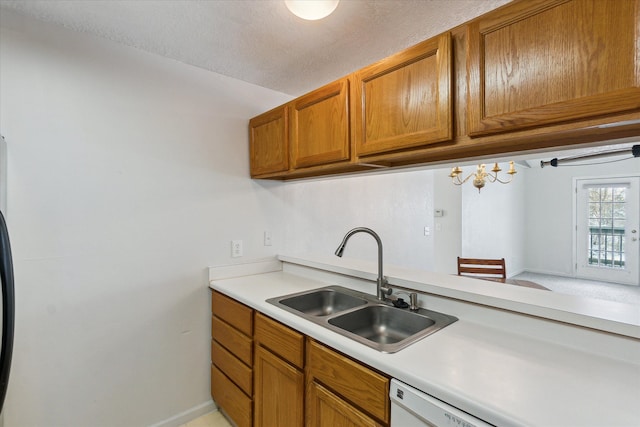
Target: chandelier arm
459,181
504,182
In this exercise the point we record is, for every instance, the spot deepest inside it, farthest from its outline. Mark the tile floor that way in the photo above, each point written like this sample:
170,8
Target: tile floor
212,419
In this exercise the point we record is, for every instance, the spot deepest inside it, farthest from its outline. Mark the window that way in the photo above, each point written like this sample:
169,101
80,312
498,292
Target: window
607,207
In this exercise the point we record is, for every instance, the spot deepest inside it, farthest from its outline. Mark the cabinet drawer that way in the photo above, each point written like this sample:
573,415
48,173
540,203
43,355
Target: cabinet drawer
281,340
237,371
233,340
230,398
234,313
362,386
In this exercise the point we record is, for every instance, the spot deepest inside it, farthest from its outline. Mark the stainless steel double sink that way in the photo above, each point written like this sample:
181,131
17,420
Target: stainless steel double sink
363,318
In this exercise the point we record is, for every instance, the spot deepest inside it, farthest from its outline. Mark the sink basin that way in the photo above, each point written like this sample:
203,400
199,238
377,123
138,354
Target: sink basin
322,302
362,317
382,324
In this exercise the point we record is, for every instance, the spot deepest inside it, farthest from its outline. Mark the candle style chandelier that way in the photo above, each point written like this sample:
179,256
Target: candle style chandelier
481,176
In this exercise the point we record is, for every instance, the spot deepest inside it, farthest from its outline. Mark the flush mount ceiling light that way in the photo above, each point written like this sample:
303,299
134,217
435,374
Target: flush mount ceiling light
480,176
311,10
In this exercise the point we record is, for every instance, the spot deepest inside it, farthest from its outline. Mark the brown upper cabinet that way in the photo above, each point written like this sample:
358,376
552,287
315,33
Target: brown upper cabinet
532,74
269,142
404,101
320,126
541,62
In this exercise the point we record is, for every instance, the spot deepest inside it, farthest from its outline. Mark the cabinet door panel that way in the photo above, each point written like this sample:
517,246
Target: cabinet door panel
279,391
320,126
404,101
365,388
269,142
543,62
325,409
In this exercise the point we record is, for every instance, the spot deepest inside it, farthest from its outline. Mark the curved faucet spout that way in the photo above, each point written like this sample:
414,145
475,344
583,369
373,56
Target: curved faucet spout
382,289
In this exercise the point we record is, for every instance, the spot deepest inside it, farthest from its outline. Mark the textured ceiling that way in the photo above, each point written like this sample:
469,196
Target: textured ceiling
260,41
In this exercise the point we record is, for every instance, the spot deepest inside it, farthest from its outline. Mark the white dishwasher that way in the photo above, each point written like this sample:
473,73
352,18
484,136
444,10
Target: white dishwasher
412,408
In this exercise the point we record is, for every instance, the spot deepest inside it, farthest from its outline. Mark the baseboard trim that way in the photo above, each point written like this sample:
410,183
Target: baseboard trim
188,415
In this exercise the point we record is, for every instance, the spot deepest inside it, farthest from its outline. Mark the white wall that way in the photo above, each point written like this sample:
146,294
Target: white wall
448,228
128,177
3,175
493,221
397,206
550,212
528,222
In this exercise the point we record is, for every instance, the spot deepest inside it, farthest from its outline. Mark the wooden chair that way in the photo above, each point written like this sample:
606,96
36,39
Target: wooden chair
488,269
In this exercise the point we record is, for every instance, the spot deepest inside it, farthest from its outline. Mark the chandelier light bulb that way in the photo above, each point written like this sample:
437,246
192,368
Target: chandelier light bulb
311,10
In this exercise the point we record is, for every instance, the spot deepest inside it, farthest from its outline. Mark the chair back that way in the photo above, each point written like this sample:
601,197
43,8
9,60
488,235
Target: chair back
491,269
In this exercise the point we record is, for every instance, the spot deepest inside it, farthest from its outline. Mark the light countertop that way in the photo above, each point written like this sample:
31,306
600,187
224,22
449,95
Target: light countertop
502,376
609,316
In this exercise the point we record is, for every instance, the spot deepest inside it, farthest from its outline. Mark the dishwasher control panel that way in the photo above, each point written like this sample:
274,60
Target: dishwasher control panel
413,408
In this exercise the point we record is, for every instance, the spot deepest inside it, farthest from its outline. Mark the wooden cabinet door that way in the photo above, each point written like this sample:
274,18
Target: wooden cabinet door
326,409
539,62
269,142
404,101
279,391
320,126
363,387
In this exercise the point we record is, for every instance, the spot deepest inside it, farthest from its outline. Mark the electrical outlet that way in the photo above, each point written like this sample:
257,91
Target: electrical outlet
427,231
236,248
267,238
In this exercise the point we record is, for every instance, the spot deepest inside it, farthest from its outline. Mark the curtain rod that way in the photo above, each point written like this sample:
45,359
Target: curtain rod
635,150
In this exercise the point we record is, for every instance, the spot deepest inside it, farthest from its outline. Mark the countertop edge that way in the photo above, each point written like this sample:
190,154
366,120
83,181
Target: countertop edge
607,316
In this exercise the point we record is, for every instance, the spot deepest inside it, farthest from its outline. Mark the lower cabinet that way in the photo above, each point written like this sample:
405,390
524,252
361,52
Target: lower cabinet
266,374
230,398
232,358
343,392
278,375
279,391
325,408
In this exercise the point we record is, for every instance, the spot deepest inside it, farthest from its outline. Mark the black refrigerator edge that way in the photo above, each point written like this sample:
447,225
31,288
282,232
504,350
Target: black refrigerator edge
8,309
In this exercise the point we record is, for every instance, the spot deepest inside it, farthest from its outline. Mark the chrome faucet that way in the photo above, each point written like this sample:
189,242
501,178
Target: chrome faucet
382,289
